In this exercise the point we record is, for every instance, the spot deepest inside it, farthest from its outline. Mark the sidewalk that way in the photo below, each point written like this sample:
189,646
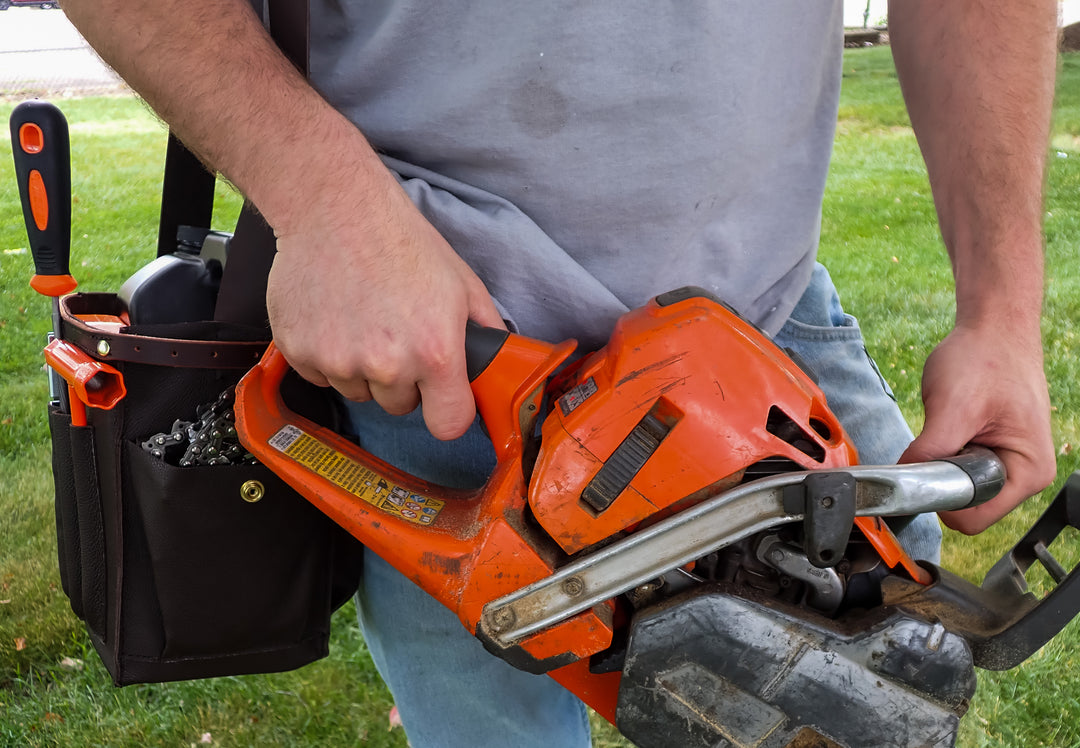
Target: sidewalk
42,54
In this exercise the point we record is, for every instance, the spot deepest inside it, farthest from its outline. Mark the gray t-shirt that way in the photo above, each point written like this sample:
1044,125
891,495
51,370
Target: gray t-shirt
585,156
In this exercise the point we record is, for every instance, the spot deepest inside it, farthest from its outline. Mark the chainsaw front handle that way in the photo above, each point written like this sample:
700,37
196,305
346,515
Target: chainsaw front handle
874,491
984,468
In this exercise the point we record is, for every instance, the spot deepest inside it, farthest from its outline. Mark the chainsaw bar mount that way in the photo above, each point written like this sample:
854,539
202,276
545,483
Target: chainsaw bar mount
678,531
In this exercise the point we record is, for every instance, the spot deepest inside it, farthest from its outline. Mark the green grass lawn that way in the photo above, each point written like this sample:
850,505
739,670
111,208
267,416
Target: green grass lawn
878,238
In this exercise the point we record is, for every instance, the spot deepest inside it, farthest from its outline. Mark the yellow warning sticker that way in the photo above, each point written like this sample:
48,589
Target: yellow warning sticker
353,477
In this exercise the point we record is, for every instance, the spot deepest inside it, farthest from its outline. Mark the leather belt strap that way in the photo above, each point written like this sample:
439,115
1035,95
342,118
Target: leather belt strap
127,345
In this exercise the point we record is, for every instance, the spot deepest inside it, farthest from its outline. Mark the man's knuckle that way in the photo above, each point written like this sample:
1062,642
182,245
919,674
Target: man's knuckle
386,369
397,400
339,366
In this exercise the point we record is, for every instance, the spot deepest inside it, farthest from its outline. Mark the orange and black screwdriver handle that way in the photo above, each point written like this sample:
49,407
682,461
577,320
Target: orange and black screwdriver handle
39,140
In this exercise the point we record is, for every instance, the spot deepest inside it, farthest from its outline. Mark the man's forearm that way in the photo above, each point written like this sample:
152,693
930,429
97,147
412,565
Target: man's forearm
978,79
211,71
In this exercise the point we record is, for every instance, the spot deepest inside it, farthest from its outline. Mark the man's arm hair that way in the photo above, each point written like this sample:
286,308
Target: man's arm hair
364,294
212,72
978,79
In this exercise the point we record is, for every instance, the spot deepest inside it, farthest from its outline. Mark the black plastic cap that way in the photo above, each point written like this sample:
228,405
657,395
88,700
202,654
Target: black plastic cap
986,471
482,345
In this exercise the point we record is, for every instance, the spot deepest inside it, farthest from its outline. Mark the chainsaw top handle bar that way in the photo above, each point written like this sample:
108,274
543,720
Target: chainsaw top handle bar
985,469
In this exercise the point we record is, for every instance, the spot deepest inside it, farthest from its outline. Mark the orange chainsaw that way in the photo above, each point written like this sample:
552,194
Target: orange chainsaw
677,530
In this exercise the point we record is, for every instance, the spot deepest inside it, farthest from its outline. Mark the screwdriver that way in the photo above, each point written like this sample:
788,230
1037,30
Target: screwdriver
40,147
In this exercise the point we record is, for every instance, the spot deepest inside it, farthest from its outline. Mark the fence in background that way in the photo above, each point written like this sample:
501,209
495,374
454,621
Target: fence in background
41,54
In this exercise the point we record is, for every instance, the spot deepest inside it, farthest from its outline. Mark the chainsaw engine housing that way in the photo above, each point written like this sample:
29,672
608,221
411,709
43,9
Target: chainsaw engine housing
745,646
686,400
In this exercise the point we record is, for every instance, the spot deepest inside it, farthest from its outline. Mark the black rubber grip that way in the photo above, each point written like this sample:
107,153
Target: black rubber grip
39,145
985,469
482,345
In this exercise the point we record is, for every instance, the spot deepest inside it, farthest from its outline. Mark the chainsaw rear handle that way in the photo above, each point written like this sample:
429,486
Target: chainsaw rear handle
359,491
520,361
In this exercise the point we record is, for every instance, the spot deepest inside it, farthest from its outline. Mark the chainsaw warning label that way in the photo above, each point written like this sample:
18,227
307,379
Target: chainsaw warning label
577,395
353,477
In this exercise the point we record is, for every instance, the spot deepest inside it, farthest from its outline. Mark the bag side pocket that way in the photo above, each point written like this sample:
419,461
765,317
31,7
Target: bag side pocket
67,525
231,575
91,530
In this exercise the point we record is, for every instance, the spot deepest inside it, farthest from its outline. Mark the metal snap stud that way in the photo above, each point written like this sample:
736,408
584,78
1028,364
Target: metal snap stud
252,491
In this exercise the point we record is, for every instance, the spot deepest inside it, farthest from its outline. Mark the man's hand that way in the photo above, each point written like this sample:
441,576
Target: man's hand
986,386
369,299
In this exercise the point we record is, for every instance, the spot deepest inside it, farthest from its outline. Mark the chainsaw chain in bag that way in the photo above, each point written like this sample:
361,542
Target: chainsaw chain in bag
210,439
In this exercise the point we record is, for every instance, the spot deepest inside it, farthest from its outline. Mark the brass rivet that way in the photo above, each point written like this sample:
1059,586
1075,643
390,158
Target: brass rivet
503,618
573,587
252,491
103,348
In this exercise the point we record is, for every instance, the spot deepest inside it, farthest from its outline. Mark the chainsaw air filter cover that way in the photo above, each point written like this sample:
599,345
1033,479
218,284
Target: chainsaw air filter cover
681,402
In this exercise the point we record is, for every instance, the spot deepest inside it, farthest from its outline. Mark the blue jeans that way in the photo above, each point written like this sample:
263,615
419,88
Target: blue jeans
449,690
